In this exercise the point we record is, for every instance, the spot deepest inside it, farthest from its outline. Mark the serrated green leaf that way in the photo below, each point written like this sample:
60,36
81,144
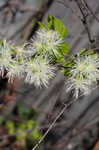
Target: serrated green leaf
62,50
57,25
60,27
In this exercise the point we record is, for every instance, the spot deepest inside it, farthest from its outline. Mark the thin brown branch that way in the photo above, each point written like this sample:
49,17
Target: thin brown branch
53,123
91,11
57,117
84,20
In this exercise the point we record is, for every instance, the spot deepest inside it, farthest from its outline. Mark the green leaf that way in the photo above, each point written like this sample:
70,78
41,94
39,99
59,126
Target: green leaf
10,126
30,124
21,135
57,25
35,134
22,126
66,72
42,25
60,59
82,51
50,22
60,27
90,52
64,48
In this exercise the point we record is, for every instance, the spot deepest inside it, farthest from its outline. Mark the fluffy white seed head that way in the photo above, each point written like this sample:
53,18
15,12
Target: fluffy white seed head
47,40
39,71
87,67
15,70
78,86
83,75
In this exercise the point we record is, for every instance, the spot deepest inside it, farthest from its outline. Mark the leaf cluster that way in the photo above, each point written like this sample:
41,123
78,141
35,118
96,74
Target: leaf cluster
22,126
55,24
